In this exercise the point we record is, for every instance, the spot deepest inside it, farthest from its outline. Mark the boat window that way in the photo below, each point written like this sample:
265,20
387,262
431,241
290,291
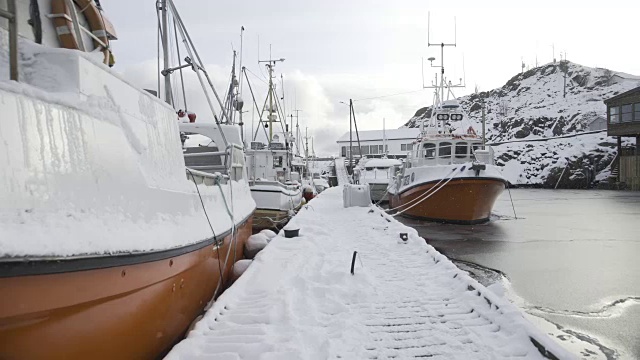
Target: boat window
476,146
277,161
444,150
461,150
429,150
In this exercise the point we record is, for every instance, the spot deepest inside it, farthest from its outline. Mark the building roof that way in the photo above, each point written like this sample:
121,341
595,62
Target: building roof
624,94
390,134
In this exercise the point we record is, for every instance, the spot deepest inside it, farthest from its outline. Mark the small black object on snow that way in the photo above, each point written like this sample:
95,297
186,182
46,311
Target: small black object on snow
291,233
404,236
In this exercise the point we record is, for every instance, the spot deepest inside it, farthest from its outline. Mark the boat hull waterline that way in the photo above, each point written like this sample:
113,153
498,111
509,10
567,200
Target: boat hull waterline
461,200
133,311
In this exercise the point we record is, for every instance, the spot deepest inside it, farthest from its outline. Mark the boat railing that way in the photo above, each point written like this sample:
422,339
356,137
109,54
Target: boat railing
206,178
231,164
10,15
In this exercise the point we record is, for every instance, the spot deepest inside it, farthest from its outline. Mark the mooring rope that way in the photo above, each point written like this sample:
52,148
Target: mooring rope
435,191
210,226
451,173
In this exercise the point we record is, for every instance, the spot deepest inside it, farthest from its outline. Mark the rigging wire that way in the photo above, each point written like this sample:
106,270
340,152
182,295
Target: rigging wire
258,77
389,95
253,97
210,225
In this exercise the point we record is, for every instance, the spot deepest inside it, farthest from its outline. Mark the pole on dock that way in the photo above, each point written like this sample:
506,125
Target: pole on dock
350,139
353,262
483,126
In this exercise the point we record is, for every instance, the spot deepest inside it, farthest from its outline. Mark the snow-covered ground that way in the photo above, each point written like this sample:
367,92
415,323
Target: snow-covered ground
540,162
298,299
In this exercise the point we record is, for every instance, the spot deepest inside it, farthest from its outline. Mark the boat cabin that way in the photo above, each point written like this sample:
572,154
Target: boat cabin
444,151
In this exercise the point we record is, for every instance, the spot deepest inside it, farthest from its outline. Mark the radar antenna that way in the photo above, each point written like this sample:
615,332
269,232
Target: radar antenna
440,84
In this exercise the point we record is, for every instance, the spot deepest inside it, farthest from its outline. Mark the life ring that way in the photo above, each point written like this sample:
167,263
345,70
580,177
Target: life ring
98,25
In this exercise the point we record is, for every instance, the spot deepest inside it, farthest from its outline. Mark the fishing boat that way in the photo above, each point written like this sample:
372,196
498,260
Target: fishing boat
110,247
448,177
275,186
377,173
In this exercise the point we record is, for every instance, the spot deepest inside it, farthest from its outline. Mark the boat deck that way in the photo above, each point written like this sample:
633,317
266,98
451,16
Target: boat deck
299,300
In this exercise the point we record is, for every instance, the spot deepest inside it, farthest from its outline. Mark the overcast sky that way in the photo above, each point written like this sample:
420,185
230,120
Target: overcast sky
336,50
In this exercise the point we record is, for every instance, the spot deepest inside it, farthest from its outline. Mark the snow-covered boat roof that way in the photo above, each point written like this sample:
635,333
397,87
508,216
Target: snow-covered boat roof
389,134
382,163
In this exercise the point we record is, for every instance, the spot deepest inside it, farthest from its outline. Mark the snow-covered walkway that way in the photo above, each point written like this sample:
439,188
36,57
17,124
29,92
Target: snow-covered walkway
298,299
341,171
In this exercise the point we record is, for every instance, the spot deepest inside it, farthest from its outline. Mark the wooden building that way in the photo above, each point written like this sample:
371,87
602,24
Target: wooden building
623,120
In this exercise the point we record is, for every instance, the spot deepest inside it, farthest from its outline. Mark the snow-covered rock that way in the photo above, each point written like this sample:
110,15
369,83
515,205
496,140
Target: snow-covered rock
532,106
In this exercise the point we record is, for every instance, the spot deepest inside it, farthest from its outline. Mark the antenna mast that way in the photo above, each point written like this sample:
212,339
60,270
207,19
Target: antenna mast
439,85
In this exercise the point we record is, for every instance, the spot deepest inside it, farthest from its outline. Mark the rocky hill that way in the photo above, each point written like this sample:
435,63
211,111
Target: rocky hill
529,118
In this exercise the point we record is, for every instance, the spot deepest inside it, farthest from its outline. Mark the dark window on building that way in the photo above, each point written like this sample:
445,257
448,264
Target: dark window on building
626,113
365,150
461,150
373,149
636,116
410,146
444,150
429,150
403,147
344,151
614,115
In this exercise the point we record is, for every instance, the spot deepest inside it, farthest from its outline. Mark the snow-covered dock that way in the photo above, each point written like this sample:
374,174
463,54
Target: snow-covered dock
299,300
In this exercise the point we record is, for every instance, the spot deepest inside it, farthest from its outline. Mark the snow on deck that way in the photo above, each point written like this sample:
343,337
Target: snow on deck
298,299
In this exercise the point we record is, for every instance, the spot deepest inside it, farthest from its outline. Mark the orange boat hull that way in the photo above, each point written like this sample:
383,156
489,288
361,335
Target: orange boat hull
133,311
464,201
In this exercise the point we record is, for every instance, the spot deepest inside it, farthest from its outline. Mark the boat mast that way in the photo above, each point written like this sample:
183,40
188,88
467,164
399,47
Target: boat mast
165,51
297,131
240,89
439,87
384,139
270,65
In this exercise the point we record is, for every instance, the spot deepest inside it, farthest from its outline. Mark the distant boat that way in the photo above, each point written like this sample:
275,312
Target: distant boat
110,247
276,175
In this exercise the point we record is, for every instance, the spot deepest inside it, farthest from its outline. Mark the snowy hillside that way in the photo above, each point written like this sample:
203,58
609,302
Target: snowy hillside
532,106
